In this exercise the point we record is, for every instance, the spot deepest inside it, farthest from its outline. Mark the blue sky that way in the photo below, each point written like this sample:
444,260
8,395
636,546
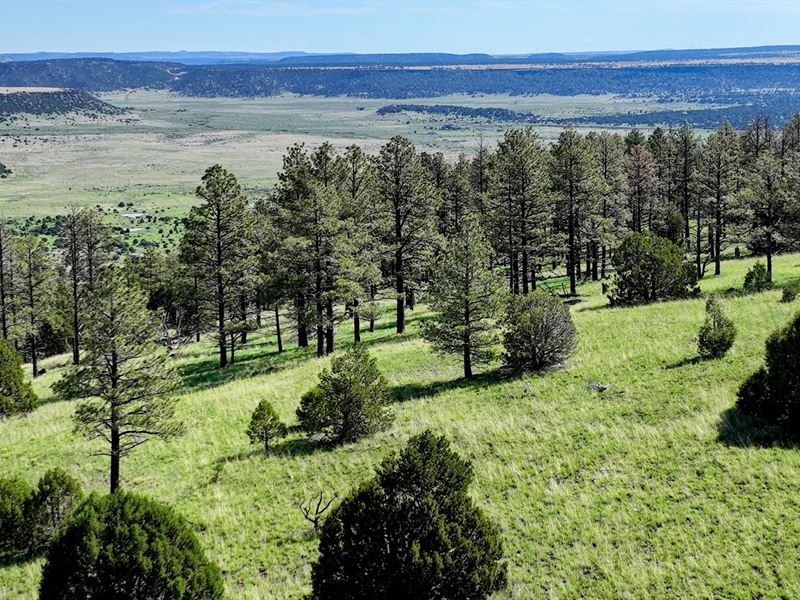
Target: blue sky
493,26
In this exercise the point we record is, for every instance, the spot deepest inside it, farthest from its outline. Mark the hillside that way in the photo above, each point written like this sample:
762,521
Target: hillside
52,102
735,85
651,488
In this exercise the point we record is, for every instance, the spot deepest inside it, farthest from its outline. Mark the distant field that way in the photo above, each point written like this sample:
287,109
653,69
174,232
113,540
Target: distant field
651,489
155,156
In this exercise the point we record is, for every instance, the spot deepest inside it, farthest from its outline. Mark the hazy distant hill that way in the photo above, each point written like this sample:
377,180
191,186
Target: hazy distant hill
52,102
186,58
744,80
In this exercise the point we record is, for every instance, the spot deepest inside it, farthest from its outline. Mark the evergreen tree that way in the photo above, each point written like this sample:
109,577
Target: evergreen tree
217,246
265,426
406,205
642,188
34,282
575,180
467,296
123,372
16,394
717,175
6,279
519,210
412,532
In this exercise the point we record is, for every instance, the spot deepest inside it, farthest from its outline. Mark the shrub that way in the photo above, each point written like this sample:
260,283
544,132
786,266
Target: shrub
265,425
757,279
411,530
16,395
773,392
650,268
127,546
791,291
15,494
717,333
57,494
538,332
349,402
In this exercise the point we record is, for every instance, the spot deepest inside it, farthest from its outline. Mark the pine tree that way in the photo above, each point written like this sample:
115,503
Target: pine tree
123,372
575,180
642,188
34,281
519,211
16,394
406,204
467,295
717,175
217,246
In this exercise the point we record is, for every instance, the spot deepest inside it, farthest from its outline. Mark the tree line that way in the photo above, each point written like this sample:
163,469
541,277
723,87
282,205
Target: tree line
343,231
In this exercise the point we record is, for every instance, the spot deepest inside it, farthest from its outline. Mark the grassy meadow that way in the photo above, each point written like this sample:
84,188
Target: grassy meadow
651,488
155,155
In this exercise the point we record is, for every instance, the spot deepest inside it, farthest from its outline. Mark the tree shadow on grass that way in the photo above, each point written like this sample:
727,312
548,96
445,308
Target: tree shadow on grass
295,447
206,373
684,362
410,391
744,431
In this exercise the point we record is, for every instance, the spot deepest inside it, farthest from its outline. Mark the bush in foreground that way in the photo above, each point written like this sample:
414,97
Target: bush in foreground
127,546
15,495
757,279
349,402
791,291
265,426
29,517
539,332
773,391
717,333
650,268
16,395
412,532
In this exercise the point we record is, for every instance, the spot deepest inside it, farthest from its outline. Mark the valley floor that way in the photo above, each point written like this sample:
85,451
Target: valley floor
651,488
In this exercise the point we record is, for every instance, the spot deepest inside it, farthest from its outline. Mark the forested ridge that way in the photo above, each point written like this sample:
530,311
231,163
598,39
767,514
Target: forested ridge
744,89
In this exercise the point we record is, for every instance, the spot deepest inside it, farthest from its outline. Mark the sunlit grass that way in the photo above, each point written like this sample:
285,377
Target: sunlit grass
626,493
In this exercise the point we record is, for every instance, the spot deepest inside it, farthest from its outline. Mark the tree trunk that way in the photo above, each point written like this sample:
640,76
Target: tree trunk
699,239
243,316
525,272
401,297
356,322
302,327
114,476
278,328
769,255
329,333
223,347
372,292
571,256
233,348
34,358
76,357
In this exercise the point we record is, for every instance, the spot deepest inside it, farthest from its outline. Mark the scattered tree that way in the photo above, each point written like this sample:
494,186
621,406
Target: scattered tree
127,546
650,268
349,402
757,279
16,394
467,296
123,372
538,332
265,426
717,333
412,532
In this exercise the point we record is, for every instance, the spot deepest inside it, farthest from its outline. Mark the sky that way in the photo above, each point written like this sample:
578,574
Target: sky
458,26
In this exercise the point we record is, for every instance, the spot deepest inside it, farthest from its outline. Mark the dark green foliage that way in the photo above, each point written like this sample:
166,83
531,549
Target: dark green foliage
57,494
349,402
539,332
15,495
127,546
790,291
412,532
650,268
773,392
4,171
28,517
16,394
717,333
671,226
757,279
265,425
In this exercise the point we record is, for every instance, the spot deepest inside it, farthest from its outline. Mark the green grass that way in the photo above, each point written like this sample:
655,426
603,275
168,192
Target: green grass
649,489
